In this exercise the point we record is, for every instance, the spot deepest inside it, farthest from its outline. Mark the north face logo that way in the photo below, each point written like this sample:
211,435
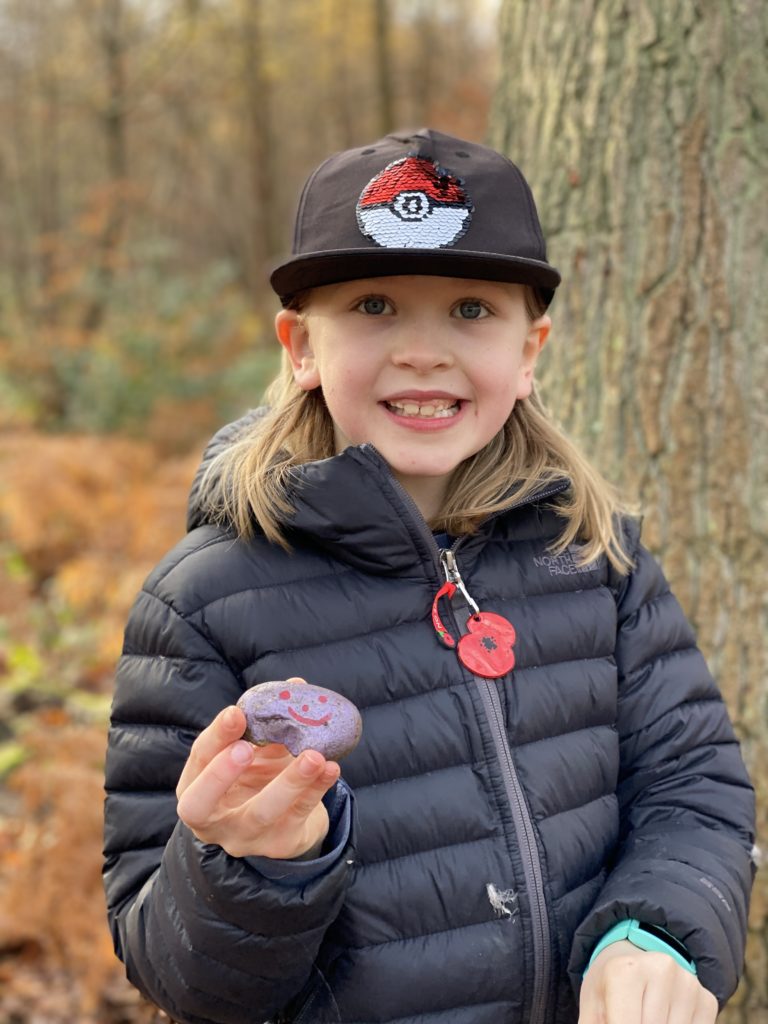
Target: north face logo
565,564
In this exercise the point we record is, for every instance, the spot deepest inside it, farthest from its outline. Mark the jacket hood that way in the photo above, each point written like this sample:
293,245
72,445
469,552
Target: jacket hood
221,440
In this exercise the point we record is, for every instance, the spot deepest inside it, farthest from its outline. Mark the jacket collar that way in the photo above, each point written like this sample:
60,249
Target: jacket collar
352,505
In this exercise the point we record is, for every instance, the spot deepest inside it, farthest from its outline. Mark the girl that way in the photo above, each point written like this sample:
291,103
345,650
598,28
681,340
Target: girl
547,819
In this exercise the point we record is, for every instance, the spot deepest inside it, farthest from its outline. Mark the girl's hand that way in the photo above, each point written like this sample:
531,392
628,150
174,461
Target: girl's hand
254,801
627,985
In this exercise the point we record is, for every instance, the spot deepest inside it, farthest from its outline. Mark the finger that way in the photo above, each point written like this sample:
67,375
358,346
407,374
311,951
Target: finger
305,781
201,799
267,764
661,996
686,999
271,751
590,1005
683,993
311,797
623,988
706,1008
227,726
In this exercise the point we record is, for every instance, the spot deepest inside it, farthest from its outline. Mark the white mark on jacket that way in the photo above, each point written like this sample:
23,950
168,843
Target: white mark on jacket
711,885
503,901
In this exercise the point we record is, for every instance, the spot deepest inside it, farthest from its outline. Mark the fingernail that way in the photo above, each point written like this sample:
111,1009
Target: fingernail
241,753
231,717
309,762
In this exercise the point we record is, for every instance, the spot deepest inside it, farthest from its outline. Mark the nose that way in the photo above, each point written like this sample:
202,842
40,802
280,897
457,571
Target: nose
421,349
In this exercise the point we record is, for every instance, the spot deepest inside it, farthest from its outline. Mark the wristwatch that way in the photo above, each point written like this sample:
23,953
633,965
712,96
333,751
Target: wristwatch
648,937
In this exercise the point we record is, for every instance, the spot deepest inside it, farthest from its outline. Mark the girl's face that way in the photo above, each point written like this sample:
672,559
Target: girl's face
426,369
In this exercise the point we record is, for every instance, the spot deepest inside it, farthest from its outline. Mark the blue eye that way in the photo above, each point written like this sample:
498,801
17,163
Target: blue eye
374,306
471,309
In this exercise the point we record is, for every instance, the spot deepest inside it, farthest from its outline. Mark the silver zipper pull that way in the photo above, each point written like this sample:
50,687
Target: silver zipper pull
452,575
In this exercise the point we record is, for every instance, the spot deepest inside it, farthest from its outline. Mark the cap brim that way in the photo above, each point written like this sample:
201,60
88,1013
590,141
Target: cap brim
313,270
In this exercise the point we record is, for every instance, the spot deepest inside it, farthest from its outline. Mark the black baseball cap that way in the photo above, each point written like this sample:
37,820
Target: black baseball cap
416,203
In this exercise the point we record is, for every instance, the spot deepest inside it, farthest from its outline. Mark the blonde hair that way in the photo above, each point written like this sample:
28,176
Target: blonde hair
250,480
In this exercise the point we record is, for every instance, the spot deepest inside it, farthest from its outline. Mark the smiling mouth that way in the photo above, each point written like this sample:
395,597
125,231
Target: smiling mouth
309,721
436,408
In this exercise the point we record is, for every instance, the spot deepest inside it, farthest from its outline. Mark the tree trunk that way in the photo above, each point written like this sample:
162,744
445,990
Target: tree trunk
383,66
643,129
49,203
263,243
113,118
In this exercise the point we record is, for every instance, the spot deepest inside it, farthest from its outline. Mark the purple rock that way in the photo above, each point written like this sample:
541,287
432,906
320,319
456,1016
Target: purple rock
301,717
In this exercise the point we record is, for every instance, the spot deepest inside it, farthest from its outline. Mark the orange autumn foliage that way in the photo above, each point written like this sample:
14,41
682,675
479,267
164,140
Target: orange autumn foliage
83,520
52,911
89,517
64,497
52,894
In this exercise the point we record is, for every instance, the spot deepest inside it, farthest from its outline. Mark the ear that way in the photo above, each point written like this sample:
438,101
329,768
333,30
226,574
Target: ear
532,346
293,335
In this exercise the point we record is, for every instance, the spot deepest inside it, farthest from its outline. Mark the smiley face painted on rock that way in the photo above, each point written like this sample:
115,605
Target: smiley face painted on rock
322,699
301,716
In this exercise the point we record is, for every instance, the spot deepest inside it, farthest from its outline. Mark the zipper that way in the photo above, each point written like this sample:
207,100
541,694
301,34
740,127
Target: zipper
557,487
445,559
311,1004
413,509
304,1011
452,575
372,451
524,830
542,954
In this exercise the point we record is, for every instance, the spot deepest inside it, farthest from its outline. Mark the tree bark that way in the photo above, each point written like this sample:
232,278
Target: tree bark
643,129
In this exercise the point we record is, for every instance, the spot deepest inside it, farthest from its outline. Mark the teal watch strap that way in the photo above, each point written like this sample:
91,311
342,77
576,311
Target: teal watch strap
648,937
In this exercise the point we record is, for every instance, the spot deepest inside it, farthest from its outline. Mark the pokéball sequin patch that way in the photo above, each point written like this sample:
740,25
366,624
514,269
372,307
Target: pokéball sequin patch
414,204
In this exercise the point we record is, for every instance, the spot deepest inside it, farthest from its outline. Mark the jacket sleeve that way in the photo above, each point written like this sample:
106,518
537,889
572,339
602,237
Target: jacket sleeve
209,938
686,803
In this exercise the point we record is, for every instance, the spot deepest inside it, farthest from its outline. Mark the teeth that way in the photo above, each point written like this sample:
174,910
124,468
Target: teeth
436,409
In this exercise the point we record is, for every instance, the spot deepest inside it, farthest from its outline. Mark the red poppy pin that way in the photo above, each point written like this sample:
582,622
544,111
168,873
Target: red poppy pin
487,648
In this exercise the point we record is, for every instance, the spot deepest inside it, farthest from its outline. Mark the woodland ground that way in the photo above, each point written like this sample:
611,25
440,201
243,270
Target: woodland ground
82,521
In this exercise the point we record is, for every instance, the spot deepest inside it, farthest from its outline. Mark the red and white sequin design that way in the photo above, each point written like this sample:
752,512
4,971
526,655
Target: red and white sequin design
414,204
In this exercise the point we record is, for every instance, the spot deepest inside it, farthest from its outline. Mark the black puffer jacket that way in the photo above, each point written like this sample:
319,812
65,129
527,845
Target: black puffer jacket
501,827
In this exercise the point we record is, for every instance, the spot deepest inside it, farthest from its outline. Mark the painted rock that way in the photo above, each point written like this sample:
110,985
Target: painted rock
301,717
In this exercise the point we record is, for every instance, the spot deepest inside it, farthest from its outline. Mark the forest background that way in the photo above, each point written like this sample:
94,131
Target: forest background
151,153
